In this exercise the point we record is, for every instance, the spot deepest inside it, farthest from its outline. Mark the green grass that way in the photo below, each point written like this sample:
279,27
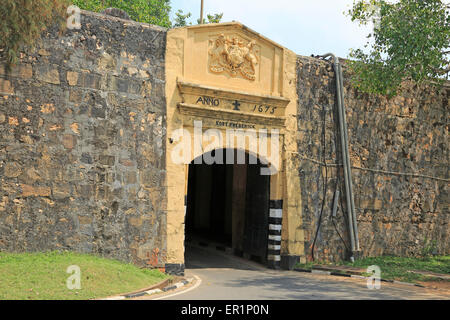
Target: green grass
307,265
42,276
395,268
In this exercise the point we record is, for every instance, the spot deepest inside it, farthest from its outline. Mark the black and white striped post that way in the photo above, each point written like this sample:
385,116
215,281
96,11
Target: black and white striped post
274,241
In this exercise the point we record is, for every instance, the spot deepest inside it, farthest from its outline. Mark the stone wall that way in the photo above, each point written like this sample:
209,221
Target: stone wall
396,214
82,152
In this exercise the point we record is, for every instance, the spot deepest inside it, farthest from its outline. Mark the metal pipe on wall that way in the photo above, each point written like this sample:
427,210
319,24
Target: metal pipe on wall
352,222
349,170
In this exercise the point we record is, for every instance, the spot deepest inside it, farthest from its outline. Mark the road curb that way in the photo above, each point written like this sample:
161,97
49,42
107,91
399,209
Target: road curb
339,274
152,291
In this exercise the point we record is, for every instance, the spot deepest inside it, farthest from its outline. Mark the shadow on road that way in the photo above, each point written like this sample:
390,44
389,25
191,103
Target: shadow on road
205,258
310,287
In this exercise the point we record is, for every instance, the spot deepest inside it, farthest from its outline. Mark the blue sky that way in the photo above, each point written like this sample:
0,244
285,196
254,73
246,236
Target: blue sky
304,26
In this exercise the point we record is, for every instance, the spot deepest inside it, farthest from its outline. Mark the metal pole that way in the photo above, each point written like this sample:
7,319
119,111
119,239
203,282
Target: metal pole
201,13
345,155
349,170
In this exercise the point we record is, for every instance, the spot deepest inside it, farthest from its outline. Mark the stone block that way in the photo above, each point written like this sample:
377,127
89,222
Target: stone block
24,71
130,177
72,78
149,177
61,191
30,175
86,158
75,96
85,191
127,163
89,80
85,220
48,73
106,63
69,141
107,160
12,170
32,191
135,221
6,87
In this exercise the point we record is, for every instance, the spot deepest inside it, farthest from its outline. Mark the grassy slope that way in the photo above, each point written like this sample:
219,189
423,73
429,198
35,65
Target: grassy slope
395,268
43,276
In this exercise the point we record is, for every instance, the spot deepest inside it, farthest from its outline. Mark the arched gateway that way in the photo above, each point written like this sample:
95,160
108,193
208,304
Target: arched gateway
229,204
230,89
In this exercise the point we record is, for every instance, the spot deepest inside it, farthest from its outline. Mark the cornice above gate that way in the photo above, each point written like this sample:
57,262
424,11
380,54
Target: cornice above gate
231,105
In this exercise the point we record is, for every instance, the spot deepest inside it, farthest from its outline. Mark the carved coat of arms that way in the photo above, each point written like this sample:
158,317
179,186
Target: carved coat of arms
233,56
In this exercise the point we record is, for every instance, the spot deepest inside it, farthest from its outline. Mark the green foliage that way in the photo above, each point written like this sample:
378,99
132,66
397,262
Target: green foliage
410,41
181,19
429,247
148,11
43,276
395,268
212,18
23,21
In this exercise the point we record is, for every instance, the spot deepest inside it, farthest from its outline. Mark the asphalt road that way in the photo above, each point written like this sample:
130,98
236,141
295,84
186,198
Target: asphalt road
226,277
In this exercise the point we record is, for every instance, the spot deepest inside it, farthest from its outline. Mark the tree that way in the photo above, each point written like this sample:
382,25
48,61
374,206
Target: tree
23,21
410,41
212,18
148,11
181,19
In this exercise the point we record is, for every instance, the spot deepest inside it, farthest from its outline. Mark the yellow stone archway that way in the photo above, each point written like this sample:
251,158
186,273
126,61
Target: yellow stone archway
228,77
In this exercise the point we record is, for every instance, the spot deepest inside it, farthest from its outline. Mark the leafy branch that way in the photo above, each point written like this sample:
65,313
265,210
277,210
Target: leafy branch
410,41
23,21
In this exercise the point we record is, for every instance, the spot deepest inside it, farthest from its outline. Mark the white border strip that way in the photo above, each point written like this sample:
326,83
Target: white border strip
195,286
276,213
272,257
276,227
